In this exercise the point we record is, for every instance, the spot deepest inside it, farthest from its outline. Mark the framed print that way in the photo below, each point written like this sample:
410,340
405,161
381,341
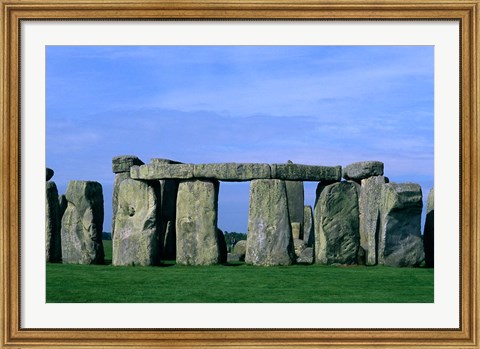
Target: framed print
242,85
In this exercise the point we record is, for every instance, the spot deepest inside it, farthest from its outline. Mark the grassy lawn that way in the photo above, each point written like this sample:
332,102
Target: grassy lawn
236,283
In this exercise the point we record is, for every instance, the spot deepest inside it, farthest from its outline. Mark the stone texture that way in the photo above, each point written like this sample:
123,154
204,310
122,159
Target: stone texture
163,161
63,203
336,224
299,245
162,171
269,238
369,204
232,171
305,172
50,173
240,249
295,197
306,256
196,223
137,237
119,178
308,225
296,230
364,169
53,247
400,242
428,233
168,204
168,237
123,163
82,224
232,257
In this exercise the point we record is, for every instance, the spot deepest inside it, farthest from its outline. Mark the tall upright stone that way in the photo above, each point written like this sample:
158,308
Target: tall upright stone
121,167
269,238
53,247
428,233
137,237
400,240
82,223
369,204
308,233
63,203
196,223
336,216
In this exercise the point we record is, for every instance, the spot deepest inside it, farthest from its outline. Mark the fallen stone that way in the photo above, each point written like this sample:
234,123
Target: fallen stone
400,241
50,173
196,224
363,169
162,171
232,171
308,233
369,204
123,163
53,246
428,232
269,238
296,230
240,249
137,237
336,224
82,224
305,172
306,256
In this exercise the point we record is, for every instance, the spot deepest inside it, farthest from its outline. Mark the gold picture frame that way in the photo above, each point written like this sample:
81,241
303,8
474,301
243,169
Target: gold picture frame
13,11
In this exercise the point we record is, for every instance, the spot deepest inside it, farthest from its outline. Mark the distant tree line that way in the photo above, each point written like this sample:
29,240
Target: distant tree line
231,238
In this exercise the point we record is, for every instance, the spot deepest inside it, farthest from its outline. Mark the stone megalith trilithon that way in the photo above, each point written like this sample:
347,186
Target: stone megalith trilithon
369,204
82,224
196,223
137,232
269,238
428,233
400,240
336,216
53,246
308,234
121,167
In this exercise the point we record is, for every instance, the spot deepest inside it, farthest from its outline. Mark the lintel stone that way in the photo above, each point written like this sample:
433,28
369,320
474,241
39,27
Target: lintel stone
297,172
232,171
123,163
162,171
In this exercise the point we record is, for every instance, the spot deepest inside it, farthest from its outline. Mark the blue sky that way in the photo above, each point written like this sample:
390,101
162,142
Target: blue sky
324,105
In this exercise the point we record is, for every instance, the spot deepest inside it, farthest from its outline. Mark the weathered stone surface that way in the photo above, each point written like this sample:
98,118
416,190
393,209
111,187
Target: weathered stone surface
308,224
269,238
295,197
53,247
50,173
400,242
162,171
305,172
196,224
363,169
82,224
163,161
296,230
123,163
361,256
299,245
222,244
428,233
232,257
119,177
232,171
336,224
240,249
63,203
168,204
306,256
369,204
137,237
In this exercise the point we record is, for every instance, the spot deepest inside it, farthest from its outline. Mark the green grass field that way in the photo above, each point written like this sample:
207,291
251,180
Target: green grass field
236,283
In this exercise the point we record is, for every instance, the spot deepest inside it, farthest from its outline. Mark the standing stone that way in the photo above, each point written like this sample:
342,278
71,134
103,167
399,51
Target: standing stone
82,224
196,223
137,238
53,247
308,225
369,204
50,173
63,203
121,167
306,256
269,239
240,249
295,197
428,233
296,230
400,242
337,235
